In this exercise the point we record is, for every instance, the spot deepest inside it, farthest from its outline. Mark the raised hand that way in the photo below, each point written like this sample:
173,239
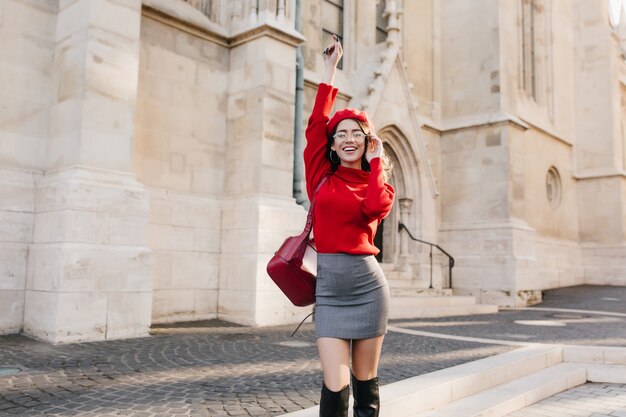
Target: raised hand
333,53
374,148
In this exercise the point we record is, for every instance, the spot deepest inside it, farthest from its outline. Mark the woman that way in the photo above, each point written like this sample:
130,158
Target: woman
352,296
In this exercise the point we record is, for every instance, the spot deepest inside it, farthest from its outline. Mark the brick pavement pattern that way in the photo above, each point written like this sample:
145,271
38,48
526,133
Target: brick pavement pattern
216,369
588,400
537,326
196,369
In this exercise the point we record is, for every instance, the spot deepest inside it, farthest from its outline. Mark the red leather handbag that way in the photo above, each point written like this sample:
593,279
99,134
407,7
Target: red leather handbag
294,265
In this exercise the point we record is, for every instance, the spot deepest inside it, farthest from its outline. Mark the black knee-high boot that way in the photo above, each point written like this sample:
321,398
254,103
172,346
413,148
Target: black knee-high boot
334,403
366,397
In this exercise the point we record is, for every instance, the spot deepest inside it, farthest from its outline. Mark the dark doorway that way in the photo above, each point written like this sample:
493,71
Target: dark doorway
378,241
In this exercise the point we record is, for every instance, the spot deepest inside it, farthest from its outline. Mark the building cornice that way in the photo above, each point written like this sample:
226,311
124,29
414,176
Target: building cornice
599,173
197,24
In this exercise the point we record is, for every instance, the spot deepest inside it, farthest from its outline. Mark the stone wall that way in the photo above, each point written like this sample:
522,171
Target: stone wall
180,155
27,37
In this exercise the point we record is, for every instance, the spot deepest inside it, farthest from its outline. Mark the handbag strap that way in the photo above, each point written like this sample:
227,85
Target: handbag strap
309,216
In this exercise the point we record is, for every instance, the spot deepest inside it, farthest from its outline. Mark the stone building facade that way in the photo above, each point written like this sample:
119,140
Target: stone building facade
147,151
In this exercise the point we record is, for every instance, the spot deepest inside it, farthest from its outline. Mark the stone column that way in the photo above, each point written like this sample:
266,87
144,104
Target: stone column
90,271
26,39
405,209
259,211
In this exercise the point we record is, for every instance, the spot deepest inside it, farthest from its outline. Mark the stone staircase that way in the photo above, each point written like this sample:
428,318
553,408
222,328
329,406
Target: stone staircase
498,385
409,300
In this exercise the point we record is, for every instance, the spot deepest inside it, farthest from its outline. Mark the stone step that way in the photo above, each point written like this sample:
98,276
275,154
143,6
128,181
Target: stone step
437,389
425,306
515,395
417,311
414,291
398,276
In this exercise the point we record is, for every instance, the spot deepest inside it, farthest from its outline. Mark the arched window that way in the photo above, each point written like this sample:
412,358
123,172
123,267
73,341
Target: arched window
535,68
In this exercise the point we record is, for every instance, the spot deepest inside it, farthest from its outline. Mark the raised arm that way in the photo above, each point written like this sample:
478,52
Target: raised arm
379,196
315,162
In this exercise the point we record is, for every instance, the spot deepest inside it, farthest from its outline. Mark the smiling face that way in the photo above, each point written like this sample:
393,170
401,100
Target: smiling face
349,148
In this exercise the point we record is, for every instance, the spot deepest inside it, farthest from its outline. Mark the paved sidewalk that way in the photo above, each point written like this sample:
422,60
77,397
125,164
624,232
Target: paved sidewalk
196,369
216,369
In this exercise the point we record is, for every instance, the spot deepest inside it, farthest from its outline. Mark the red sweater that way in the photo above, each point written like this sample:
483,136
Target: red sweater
352,202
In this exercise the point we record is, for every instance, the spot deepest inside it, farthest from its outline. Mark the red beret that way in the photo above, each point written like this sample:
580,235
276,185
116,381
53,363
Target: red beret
346,114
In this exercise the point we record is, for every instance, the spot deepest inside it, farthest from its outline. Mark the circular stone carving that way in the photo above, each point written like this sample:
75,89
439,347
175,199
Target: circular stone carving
553,187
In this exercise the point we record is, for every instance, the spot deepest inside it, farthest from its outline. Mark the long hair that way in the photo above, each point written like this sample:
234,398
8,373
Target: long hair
365,166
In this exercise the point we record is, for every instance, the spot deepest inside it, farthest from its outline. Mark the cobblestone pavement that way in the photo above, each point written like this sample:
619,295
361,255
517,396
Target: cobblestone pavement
536,325
588,400
196,369
216,369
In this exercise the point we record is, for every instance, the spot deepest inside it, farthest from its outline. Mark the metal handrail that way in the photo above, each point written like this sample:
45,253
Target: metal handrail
432,245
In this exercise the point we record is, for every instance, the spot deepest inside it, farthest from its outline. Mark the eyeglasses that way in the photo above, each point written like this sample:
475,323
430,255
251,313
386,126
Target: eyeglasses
358,136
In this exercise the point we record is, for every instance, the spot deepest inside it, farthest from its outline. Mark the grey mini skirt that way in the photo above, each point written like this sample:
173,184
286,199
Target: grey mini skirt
351,298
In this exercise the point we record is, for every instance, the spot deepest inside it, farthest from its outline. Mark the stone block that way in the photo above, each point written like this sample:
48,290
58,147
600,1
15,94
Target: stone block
17,190
91,190
171,65
25,51
194,211
205,304
238,271
153,88
240,241
163,277
160,206
128,314
277,154
13,261
583,354
89,268
239,214
276,182
207,240
128,230
63,131
24,79
62,4
11,310
212,79
607,374
66,317
106,150
71,226
465,386
270,240
207,181
614,356
194,270
273,308
16,226
72,18
169,306
123,20
164,237
237,306
288,219
39,16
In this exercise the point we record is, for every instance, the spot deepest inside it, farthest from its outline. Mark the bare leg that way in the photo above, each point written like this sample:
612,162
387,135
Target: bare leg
335,357
365,357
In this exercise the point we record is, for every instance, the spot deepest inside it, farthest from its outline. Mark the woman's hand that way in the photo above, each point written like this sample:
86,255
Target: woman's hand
374,148
332,55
